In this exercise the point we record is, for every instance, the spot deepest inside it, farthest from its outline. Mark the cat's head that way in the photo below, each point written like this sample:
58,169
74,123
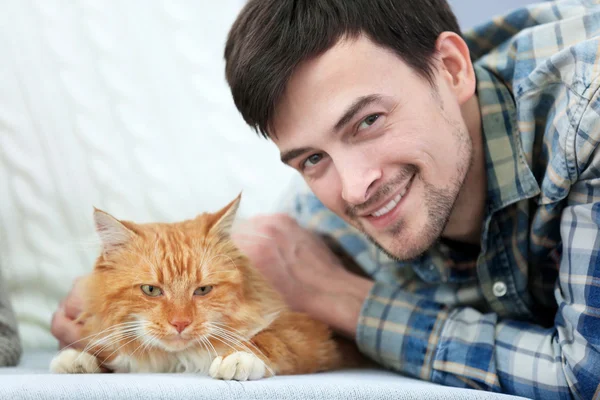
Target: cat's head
170,285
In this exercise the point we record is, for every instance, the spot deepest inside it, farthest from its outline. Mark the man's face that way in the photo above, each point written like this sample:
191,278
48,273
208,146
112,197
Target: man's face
376,143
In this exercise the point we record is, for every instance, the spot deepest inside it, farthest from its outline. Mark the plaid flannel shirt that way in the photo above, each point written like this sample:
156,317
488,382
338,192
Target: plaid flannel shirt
519,314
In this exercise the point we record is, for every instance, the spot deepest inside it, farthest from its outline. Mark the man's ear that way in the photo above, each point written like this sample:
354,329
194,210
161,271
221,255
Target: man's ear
456,66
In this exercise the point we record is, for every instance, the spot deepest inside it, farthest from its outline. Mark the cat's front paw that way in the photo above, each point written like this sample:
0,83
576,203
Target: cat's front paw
240,366
71,361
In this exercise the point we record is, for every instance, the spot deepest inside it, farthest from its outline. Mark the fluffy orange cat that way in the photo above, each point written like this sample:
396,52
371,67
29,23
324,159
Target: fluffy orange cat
181,297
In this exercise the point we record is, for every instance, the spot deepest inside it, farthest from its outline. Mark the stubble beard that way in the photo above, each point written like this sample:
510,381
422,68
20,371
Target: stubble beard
439,202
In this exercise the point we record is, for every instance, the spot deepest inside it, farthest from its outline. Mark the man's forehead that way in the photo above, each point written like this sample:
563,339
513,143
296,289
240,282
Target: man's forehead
322,89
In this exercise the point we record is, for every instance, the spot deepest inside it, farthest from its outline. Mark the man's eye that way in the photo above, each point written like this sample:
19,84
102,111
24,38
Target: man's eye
312,160
367,122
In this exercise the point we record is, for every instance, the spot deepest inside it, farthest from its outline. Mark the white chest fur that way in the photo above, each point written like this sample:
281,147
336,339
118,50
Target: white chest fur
239,365
188,361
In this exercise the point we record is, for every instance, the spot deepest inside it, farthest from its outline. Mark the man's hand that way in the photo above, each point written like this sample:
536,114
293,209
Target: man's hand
304,270
63,327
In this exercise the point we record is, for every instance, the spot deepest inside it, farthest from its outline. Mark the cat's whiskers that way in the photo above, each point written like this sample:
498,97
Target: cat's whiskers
222,340
237,336
114,343
133,287
232,339
209,276
154,266
202,265
223,325
205,340
226,341
232,331
110,328
135,337
124,325
225,334
202,342
223,255
118,332
107,340
114,339
95,354
203,346
145,343
150,342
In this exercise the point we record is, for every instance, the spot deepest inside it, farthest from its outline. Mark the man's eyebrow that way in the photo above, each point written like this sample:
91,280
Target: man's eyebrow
355,108
287,156
350,112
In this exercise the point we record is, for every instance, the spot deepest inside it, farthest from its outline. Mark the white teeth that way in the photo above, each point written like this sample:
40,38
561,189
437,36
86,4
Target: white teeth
389,206
385,209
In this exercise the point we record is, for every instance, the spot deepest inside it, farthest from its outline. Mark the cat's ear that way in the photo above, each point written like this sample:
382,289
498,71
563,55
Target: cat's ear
113,233
223,219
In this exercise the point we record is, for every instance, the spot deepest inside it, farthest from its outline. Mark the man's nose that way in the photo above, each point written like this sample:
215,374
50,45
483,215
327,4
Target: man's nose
358,181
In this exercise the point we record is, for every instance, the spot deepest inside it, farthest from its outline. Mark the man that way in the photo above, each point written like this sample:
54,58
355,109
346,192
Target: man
469,160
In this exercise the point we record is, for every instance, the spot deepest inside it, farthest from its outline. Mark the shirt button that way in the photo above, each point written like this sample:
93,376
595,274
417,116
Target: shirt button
499,289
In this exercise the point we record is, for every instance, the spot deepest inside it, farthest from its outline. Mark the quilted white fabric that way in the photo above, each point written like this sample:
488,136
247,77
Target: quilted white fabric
121,105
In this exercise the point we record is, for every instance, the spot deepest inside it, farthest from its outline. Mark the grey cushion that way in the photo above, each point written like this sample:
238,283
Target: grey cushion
10,343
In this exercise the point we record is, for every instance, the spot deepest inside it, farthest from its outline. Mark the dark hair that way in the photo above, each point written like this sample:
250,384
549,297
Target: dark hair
271,37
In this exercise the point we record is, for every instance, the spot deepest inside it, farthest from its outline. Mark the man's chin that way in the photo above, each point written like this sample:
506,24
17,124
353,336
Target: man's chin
395,242
400,248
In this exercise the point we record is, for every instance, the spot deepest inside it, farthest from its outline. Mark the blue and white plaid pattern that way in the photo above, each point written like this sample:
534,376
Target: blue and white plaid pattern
525,319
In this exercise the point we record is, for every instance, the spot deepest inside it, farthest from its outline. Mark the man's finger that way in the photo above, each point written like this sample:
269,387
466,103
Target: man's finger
65,330
72,306
73,303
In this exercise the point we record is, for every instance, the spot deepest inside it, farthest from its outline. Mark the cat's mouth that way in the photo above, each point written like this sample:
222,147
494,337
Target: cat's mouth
175,342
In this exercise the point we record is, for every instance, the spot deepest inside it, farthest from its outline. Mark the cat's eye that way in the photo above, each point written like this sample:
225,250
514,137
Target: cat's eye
202,291
152,291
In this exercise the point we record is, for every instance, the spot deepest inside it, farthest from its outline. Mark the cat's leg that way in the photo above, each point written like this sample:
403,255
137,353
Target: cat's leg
296,344
292,344
71,361
239,366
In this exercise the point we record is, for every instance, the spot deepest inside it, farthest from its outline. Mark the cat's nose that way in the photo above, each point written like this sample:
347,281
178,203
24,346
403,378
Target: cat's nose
180,324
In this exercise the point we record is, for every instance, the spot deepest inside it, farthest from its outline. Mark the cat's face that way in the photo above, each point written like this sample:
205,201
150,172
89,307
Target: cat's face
169,285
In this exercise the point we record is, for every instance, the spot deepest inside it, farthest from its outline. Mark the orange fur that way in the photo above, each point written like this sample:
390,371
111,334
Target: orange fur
241,312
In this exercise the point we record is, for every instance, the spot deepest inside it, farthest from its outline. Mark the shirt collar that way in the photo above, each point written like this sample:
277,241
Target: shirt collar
509,177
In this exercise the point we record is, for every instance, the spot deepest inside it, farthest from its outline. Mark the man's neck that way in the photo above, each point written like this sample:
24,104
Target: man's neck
465,222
